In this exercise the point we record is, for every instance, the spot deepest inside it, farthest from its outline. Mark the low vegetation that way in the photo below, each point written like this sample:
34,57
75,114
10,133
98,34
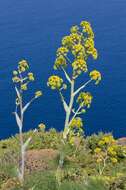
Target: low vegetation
93,162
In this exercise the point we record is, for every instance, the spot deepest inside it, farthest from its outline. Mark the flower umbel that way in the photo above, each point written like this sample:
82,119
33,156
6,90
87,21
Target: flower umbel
38,94
95,75
84,99
55,82
76,123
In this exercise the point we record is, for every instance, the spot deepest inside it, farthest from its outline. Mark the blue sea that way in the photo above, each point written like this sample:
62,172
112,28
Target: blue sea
32,30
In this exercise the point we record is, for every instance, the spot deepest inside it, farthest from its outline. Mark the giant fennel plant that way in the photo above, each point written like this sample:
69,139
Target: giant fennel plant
72,59
21,79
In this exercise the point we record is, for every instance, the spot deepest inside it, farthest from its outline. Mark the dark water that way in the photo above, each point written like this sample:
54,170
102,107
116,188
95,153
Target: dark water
33,29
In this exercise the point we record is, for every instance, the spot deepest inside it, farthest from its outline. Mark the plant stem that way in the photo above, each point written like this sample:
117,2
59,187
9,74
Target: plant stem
68,113
22,166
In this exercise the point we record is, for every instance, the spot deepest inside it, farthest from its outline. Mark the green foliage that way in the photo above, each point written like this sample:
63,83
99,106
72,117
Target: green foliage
96,183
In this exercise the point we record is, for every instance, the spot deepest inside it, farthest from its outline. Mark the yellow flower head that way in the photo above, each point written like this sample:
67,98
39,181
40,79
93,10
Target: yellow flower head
90,49
67,42
114,160
75,38
38,94
74,29
55,82
87,28
42,126
62,51
84,99
23,66
60,62
79,66
16,79
89,43
76,123
31,77
24,86
99,160
95,75
77,49
97,150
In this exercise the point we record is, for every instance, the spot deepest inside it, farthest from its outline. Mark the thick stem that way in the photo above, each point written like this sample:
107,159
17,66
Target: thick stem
22,153
68,113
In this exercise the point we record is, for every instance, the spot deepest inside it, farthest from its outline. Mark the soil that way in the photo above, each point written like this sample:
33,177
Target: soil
37,160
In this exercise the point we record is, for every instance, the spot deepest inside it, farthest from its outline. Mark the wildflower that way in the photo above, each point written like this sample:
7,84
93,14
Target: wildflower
75,38
42,126
89,43
62,51
76,123
77,49
55,82
99,160
23,66
38,94
31,77
16,79
114,160
79,66
24,86
97,150
87,28
23,63
111,151
67,42
60,62
84,99
95,75
74,29
94,53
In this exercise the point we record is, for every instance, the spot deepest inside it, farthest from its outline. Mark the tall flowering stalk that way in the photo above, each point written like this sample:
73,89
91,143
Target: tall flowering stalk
21,79
75,50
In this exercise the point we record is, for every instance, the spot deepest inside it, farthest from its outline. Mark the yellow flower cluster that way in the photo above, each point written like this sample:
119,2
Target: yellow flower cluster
55,82
108,148
90,49
97,150
84,99
112,150
75,38
80,44
42,127
67,42
72,39
16,79
22,79
87,28
79,66
107,139
24,86
77,49
60,62
22,66
76,123
95,75
114,160
38,94
31,77
62,51
74,29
